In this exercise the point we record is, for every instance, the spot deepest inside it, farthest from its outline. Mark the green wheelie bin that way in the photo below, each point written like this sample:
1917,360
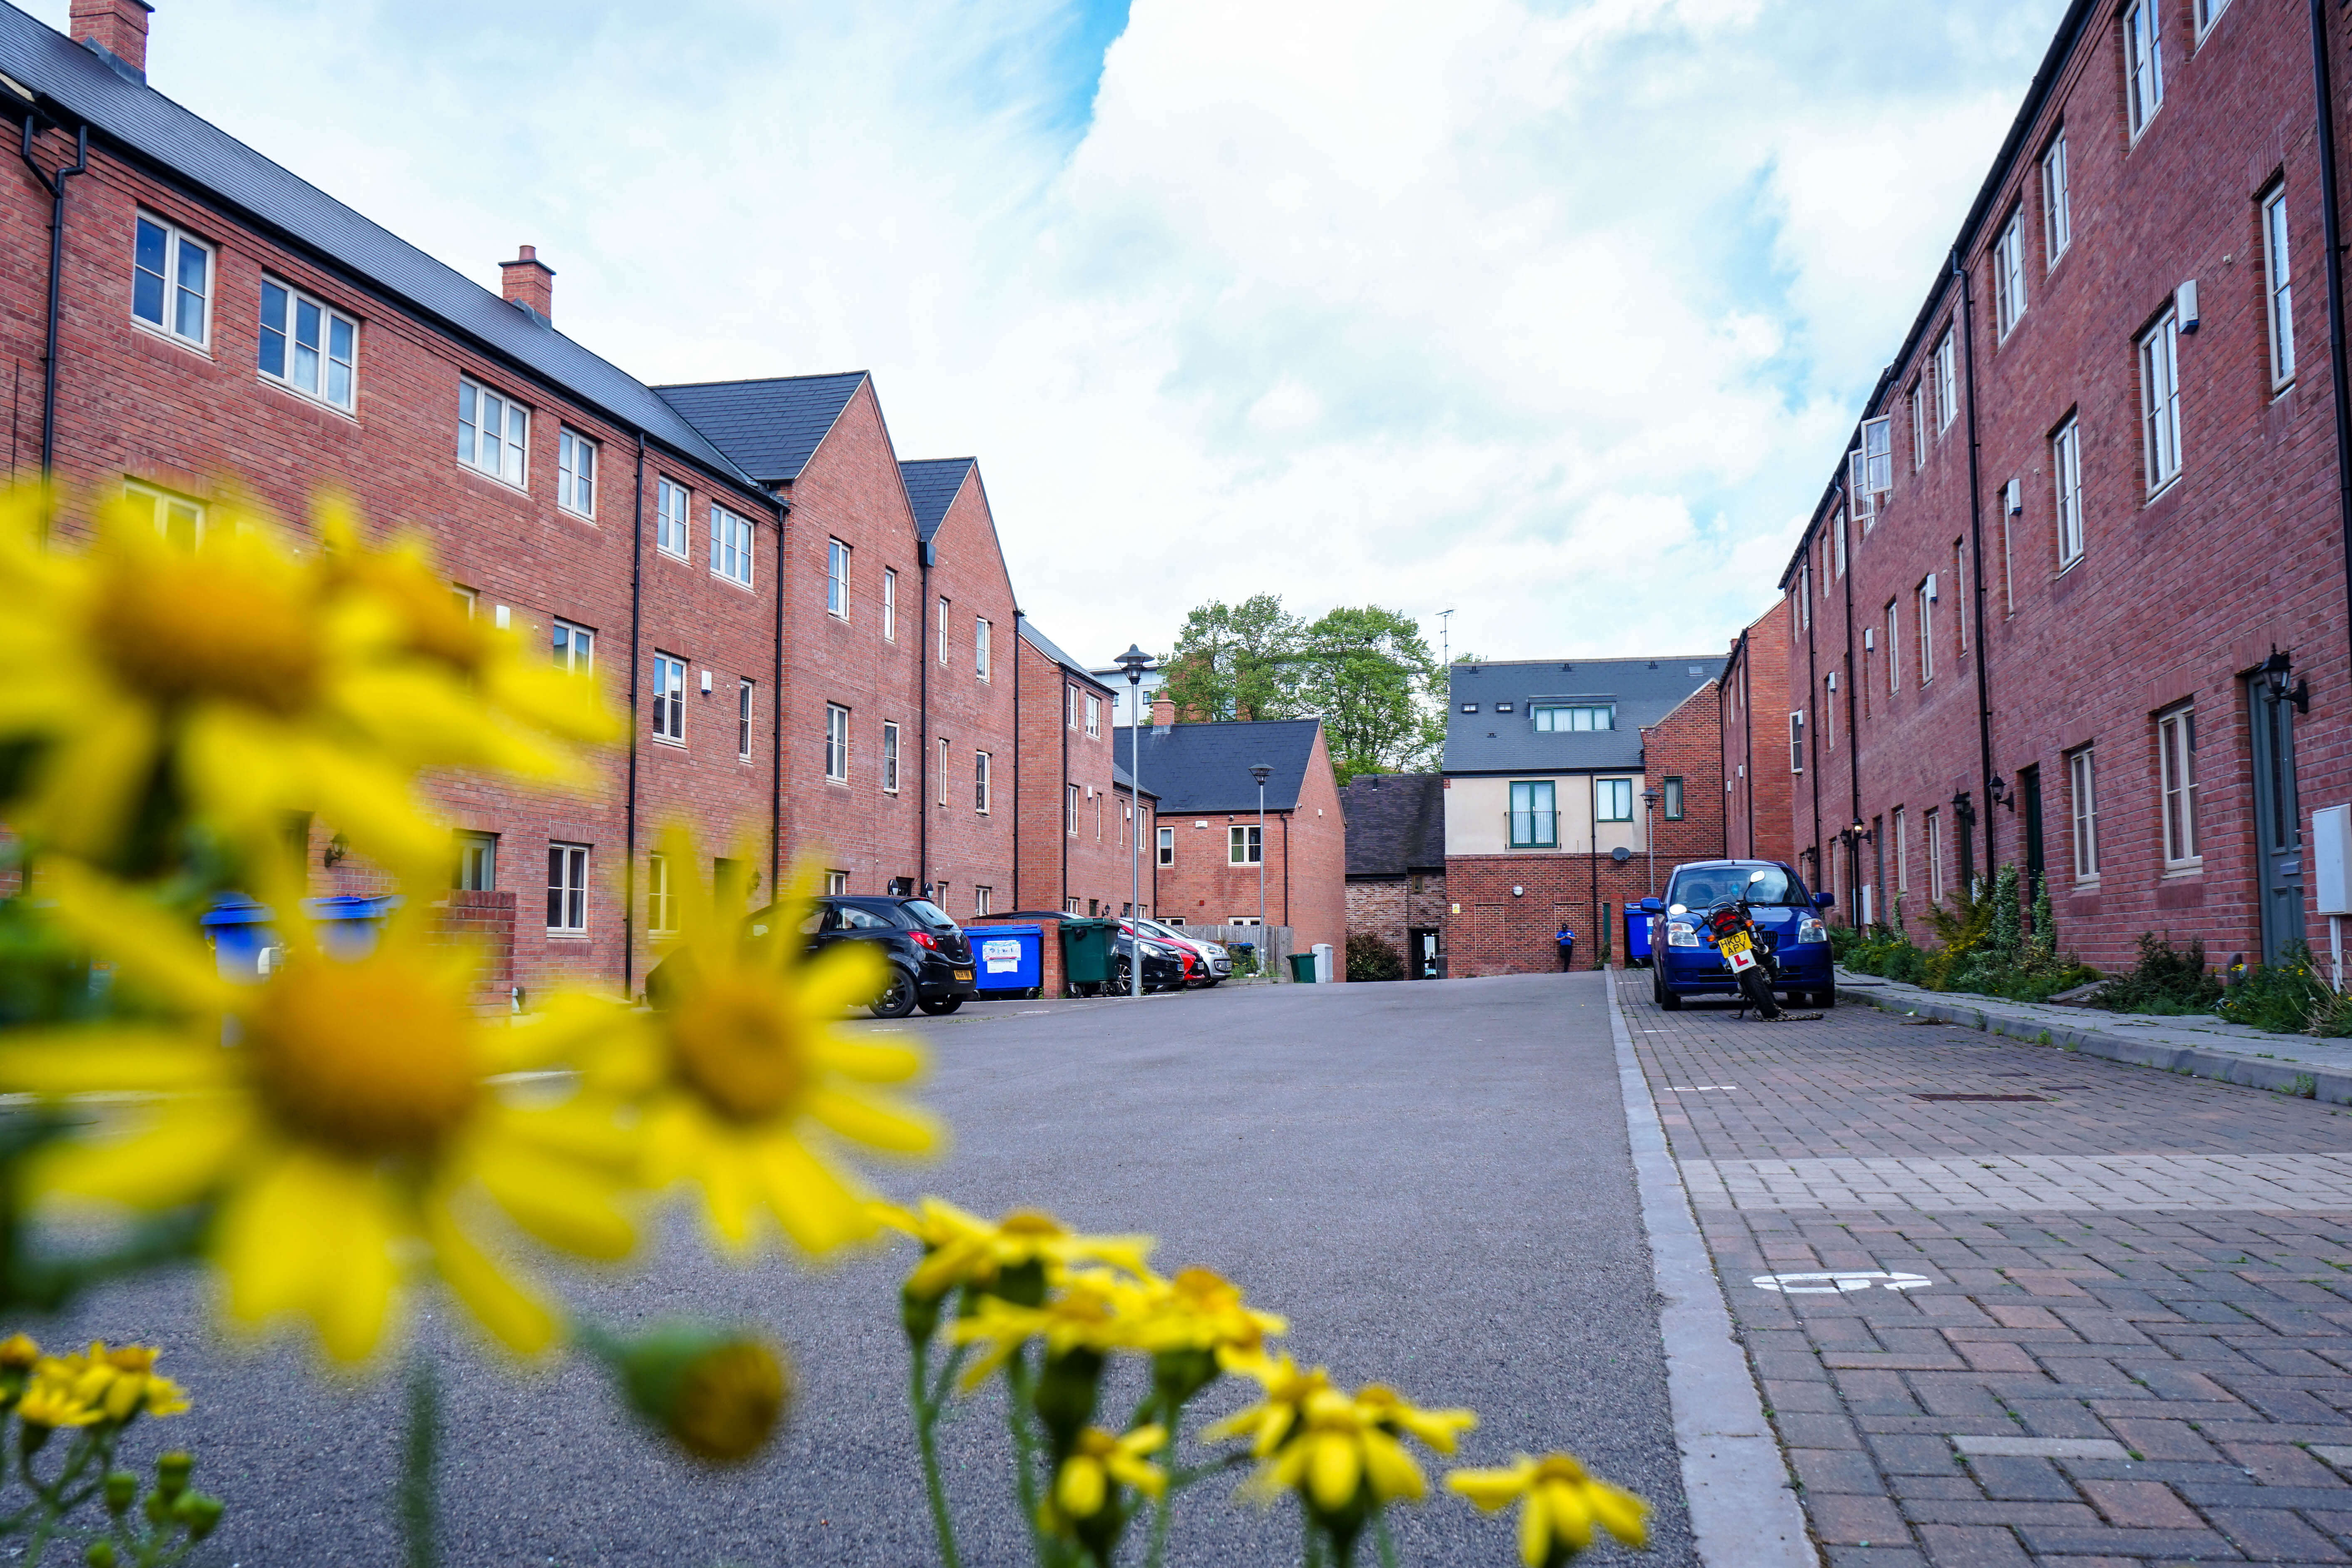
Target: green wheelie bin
1086,954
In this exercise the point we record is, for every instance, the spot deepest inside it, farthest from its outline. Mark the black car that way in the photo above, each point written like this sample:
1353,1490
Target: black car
1164,967
931,961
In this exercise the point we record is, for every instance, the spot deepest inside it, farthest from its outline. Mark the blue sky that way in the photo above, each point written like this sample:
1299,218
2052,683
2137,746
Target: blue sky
1554,314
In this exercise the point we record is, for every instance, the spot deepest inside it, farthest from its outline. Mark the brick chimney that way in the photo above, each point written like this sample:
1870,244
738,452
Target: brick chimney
1163,712
530,282
115,29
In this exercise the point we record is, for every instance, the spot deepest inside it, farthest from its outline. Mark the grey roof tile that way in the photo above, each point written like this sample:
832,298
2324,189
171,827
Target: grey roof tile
1396,823
932,487
1493,742
770,428
1206,767
221,169
1045,645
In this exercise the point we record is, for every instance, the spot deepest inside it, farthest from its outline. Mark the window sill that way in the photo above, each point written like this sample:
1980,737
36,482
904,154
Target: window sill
166,335
666,741
483,474
838,784
587,517
309,400
732,582
667,554
567,935
2280,389
2086,884
2174,871
2163,490
2066,566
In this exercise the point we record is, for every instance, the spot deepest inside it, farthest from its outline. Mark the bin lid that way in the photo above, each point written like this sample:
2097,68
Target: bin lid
234,910
1005,931
1088,922
351,906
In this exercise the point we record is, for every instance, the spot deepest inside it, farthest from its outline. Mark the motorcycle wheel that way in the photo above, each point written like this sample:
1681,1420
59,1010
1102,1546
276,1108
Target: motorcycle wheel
1758,991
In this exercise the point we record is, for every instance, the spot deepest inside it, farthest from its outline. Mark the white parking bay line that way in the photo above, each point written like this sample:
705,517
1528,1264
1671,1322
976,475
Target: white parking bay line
2042,1447
1743,1513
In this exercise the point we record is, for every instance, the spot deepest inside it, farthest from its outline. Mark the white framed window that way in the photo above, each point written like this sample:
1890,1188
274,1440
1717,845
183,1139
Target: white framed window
1935,855
171,281
2176,756
493,432
1873,473
2057,202
1960,593
1571,717
836,884
980,783
1916,402
2008,272
2082,804
1093,714
1837,542
944,629
984,900
743,699
944,757
1797,742
731,546
1167,846
661,895
477,863
2066,474
1829,711
836,578
177,518
669,699
2143,62
890,604
889,759
2279,283
1894,645
1923,613
575,471
1804,593
979,646
1947,382
1070,813
567,889
1902,850
1612,800
2206,11
307,345
1070,719
837,743
1245,845
2012,504
2159,383
574,648
670,519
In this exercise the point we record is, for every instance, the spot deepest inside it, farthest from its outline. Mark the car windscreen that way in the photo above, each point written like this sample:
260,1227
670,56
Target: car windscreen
926,913
1765,885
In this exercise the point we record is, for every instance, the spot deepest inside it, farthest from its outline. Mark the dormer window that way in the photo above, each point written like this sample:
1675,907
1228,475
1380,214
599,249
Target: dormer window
1564,717
1469,708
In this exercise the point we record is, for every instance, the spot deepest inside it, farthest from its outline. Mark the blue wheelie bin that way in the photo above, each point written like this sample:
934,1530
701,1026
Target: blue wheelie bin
1007,959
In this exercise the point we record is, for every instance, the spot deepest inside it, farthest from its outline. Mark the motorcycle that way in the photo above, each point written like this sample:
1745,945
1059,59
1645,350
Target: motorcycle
1752,964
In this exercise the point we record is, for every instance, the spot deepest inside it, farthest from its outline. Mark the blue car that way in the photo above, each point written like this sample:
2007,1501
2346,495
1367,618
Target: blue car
1683,957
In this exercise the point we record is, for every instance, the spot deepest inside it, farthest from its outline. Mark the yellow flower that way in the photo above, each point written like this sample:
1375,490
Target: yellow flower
961,1248
1096,1460
1272,1419
747,1085
1092,1310
1559,1506
349,1126
50,1403
1338,1447
19,1354
119,1383
225,674
1200,1310
1389,1409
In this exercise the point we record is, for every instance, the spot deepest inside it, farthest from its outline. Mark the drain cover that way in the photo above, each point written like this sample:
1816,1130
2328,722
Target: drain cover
1985,1097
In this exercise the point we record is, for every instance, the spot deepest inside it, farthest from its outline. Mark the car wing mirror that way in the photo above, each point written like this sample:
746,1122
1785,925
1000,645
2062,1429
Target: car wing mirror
1824,900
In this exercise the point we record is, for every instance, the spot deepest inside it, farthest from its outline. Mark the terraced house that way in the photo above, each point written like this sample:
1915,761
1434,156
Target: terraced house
814,641
2076,597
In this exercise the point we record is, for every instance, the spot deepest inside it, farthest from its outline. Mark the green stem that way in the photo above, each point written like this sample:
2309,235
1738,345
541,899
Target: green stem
1380,1535
415,1496
1312,1554
1024,1463
926,1418
1164,1509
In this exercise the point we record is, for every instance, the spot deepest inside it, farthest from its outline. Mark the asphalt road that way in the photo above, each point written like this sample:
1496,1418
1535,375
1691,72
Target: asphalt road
1431,1181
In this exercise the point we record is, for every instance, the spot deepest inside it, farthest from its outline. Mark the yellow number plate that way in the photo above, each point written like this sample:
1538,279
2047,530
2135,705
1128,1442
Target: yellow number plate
1736,942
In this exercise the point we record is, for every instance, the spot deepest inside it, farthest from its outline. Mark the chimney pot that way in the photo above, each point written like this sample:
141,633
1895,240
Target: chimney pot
115,29
530,282
1163,712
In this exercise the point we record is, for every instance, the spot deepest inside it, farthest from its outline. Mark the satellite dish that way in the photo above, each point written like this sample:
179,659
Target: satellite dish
1621,853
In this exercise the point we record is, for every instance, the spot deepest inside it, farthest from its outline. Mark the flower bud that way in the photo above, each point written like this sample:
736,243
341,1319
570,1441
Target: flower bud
918,1315
718,1393
100,1553
121,1491
172,1472
198,1513
1066,1393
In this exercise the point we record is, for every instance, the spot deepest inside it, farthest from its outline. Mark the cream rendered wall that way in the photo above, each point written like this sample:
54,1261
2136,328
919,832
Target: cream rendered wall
1479,812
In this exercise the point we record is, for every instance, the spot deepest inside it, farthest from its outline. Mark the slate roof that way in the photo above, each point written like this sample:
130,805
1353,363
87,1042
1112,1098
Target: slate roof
201,157
1489,741
932,487
770,428
1045,645
1206,767
1121,778
1396,823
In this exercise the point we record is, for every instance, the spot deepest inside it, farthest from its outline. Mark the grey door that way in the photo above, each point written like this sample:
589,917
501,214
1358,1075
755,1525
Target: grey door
2029,794
2278,820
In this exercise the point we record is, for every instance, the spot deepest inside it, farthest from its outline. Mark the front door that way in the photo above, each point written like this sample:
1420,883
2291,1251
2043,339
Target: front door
1420,953
2029,790
2278,820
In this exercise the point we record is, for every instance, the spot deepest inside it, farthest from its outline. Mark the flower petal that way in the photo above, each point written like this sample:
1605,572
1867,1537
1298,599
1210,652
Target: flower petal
566,1207
175,1160
816,1208
873,1122
109,1059
516,1318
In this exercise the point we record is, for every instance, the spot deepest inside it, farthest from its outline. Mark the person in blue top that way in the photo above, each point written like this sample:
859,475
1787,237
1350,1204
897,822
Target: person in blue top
1567,939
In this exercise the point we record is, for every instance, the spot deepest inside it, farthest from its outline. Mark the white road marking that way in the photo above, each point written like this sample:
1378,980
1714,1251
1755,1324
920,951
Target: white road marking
1836,1281
2044,1448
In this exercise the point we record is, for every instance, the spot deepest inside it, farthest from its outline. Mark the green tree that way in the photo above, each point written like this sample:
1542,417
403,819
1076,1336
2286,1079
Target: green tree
1371,674
1234,661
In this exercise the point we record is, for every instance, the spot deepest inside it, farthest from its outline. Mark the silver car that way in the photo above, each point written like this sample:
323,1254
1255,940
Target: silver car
1216,964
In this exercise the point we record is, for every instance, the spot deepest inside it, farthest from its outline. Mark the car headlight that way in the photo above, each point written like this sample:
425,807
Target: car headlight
1680,933
1810,929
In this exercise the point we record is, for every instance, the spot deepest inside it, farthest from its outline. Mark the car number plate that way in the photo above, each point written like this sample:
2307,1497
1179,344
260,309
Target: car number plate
1736,942
964,974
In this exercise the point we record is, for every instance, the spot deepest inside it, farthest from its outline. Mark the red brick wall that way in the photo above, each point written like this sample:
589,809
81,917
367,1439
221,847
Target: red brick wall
1056,753
968,849
1754,751
1391,906
2176,597
1306,864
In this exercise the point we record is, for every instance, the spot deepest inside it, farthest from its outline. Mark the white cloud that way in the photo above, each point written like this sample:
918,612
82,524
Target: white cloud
1556,315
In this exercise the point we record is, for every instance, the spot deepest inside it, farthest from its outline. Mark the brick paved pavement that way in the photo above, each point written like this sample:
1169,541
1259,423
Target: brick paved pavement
2134,1344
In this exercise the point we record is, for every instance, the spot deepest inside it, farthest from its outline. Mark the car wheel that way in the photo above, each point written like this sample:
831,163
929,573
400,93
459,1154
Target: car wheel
1825,999
1120,983
1658,988
898,999
1668,1000
943,1006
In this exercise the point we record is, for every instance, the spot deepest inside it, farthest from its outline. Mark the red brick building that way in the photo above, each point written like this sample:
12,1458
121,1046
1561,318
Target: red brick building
1756,746
1212,846
2076,599
1396,865
1074,799
1550,823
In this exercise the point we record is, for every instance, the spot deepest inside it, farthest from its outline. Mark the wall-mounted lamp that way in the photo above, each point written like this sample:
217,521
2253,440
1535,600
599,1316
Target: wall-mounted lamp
2000,792
2275,669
